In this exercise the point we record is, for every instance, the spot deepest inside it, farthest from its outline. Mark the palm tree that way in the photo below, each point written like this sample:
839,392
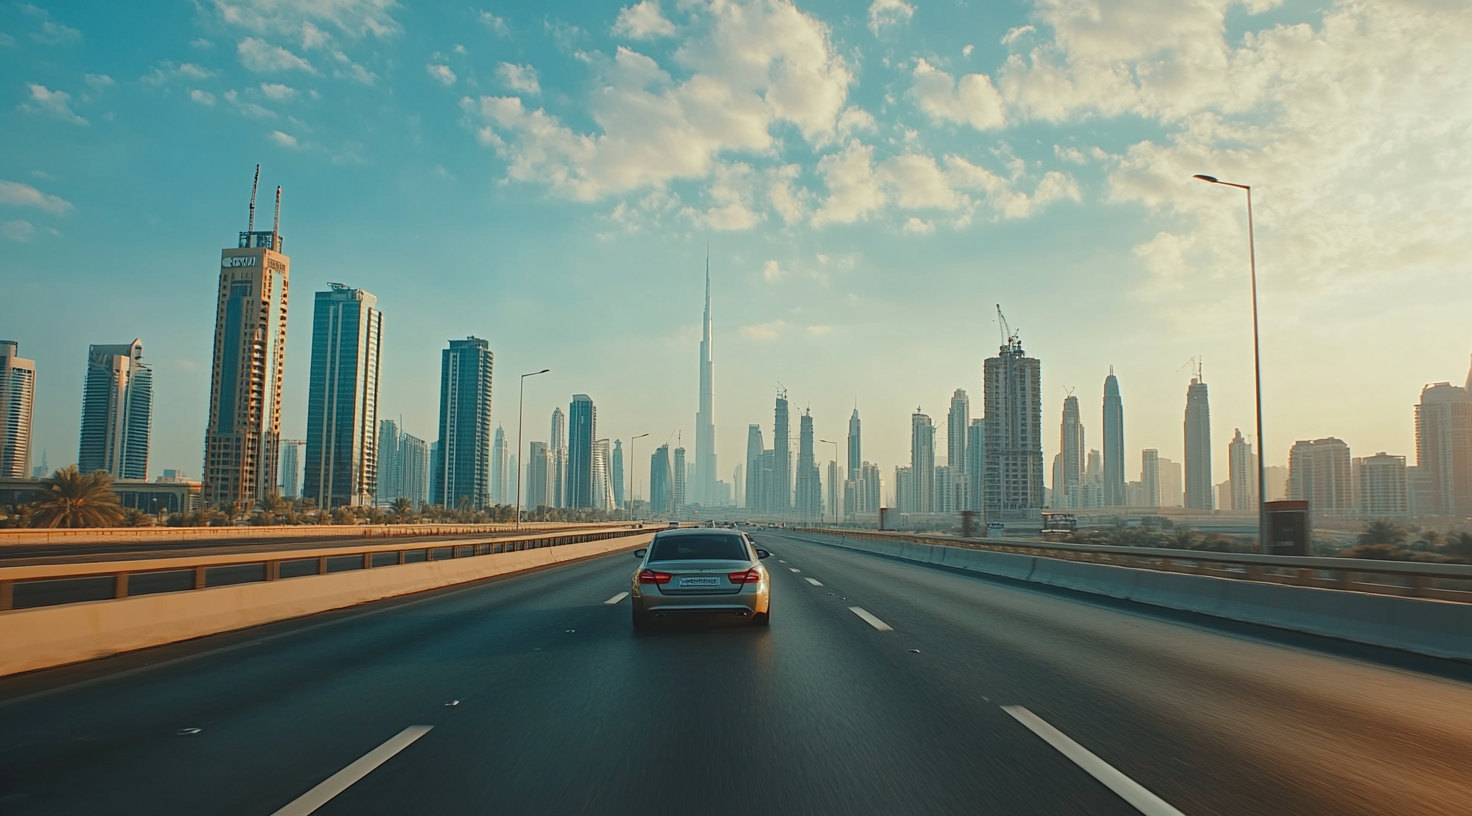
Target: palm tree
1183,539
133,517
403,510
72,499
1382,531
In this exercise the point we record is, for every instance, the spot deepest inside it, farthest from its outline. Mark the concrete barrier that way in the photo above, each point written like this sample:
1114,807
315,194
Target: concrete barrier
50,636
1423,626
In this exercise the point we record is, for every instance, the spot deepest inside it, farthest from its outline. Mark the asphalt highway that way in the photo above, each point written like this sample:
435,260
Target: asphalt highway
881,687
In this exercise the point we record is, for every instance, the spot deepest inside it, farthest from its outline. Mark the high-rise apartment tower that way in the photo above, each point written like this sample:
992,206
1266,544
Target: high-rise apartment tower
342,399
462,469
1114,481
1199,486
117,412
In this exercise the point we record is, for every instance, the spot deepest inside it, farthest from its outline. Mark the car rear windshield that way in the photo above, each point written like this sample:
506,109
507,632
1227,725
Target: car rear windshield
699,547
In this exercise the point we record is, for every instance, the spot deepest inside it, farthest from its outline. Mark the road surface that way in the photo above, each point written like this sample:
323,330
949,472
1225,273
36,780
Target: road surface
881,687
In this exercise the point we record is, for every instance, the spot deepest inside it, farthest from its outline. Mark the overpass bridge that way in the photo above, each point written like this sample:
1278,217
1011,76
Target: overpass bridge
893,679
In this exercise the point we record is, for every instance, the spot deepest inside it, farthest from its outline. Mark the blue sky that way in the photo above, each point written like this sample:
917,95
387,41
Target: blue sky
871,181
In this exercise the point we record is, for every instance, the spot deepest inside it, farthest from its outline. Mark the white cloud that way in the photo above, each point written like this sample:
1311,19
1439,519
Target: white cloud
18,231
441,74
202,97
99,82
201,43
494,23
277,91
819,330
351,70
247,107
973,100
166,71
772,271
731,195
24,195
967,49
351,18
263,57
54,33
765,331
519,78
889,12
642,21
916,226
284,139
753,68
56,103
1359,178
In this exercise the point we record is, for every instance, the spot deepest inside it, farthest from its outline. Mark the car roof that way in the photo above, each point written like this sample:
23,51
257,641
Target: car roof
704,531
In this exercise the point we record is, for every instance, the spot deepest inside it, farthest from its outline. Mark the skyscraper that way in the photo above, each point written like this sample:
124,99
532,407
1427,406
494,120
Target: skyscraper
557,459
462,473
537,480
1114,481
1320,472
738,484
390,463
602,481
17,401
500,468
975,462
244,424
680,497
855,445
1067,486
704,489
342,399
809,491
1150,476
117,412
1014,442
661,491
582,430
291,467
957,421
755,495
1198,446
780,500
413,469
871,491
617,475
922,463
1381,485
1242,473
1444,449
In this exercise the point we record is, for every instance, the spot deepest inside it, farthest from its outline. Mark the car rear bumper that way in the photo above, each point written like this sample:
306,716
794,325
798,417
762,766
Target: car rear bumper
743,603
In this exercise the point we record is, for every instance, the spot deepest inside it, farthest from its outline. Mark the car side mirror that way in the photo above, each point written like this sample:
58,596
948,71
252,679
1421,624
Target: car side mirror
760,553
640,553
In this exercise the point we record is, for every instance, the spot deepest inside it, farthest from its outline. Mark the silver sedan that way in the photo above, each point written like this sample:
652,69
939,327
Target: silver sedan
701,571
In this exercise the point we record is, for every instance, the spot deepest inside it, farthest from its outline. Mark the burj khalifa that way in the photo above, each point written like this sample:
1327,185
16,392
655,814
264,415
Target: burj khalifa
705,484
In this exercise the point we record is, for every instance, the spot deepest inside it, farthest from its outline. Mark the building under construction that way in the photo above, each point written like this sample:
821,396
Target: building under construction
1013,438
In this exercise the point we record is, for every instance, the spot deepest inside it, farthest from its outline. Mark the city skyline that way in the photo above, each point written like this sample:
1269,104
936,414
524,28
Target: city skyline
825,291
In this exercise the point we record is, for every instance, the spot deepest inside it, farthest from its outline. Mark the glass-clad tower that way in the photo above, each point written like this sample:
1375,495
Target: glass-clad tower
117,412
342,399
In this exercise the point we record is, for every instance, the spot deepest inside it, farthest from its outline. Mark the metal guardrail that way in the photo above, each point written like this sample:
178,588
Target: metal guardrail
95,535
27,587
1442,582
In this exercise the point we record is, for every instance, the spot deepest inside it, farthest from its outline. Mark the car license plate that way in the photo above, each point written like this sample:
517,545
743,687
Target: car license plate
702,581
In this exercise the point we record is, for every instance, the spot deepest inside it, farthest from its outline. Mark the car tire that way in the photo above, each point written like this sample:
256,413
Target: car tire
641,619
762,618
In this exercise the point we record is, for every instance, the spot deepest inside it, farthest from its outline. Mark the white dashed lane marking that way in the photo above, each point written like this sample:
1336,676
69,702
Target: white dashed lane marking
870,619
1128,789
343,779
813,581
794,569
615,599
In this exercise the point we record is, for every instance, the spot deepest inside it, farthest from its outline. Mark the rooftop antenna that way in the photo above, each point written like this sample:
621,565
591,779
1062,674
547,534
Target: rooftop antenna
1068,389
251,225
276,227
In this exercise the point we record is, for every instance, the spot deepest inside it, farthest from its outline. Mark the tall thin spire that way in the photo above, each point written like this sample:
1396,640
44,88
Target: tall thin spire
276,225
251,224
706,488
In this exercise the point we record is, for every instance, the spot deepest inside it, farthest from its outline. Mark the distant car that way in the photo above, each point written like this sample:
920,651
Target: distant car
700,570
674,525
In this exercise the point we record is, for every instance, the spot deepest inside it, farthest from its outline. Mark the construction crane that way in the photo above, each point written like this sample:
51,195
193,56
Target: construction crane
1009,337
1195,363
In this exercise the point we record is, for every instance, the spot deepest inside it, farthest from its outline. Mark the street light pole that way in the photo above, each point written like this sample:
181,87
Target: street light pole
1262,480
520,410
832,488
633,473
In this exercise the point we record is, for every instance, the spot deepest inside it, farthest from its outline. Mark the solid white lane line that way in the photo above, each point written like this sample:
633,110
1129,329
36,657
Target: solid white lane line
615,599
870,619
794,569
813,581
1128,789
343,779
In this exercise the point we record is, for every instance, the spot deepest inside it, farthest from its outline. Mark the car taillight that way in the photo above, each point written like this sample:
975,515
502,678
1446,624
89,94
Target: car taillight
751,576
649,576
